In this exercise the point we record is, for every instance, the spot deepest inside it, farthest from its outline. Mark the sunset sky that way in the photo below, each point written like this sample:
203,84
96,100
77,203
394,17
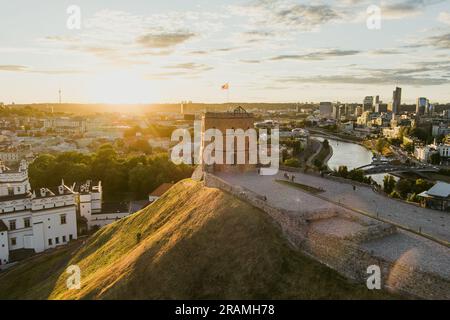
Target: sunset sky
144,51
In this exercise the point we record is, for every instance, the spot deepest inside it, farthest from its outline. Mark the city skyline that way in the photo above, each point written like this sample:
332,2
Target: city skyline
267,50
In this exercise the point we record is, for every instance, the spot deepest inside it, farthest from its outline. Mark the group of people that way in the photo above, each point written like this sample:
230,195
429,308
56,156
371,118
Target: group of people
289,177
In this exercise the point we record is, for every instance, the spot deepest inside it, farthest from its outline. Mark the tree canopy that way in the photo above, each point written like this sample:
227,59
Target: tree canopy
121,176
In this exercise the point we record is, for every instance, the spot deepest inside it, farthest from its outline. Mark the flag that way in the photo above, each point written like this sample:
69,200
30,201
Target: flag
226,86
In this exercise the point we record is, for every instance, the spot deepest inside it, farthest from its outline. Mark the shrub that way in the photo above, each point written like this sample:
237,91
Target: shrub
292,162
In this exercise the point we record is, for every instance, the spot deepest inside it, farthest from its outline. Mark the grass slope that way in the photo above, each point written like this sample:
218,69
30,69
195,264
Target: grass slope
195,243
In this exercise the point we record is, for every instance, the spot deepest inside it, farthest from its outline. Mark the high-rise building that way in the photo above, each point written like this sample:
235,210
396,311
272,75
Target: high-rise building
326,109
422,106
381,107
396,100
336,114
368,103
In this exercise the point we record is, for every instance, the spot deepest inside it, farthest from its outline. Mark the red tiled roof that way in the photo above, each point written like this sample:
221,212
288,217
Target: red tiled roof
158,192
3,226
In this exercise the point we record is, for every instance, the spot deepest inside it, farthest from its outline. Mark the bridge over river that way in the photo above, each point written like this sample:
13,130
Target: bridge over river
376,168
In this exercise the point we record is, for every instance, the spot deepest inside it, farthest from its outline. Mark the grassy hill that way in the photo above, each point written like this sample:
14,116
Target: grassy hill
194,243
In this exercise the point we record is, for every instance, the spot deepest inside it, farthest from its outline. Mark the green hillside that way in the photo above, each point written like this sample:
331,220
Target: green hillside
193,243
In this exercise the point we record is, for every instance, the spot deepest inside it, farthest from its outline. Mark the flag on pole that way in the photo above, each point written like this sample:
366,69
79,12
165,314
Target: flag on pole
225,86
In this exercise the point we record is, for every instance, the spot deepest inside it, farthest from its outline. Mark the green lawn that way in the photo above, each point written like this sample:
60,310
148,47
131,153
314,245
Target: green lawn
194,243
301,186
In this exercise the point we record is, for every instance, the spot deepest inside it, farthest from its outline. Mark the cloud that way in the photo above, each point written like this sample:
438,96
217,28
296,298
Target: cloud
425,73
444,17
254,36
441,41
278,14
250,61
190,66
214,51
21,68
16,68
318,55
408,8
122,38
367,80
380,52
171,75
164,40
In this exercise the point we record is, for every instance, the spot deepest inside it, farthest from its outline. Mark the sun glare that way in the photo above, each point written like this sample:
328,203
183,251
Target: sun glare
120,87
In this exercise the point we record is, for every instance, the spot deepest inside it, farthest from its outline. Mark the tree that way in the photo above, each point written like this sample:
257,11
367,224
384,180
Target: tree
422,185
318,163
381,144
292,162
388,184
140,145
119,175
357,175
403,187
409,147
421,134
435,158
342,171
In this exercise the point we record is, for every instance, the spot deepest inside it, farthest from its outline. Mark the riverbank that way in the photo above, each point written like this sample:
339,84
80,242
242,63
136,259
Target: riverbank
344,153
336,137
322,155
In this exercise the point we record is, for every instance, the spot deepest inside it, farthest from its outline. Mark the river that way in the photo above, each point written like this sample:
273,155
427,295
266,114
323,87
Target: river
351,155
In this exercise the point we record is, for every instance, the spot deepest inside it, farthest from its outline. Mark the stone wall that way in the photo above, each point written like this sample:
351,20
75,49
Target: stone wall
345,256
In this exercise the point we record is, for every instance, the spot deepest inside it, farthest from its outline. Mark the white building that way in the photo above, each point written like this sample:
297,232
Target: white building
13,155
440,129
37,220
91,208
423,153
444,150
66,125
392,133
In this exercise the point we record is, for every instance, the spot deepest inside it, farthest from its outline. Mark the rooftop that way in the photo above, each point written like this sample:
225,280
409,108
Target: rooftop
137,205
53,192
114,207
440,189
3,226
239,112
158,192
86,186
